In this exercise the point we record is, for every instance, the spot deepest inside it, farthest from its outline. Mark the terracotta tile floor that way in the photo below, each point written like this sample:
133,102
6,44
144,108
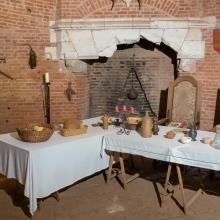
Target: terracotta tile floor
93,199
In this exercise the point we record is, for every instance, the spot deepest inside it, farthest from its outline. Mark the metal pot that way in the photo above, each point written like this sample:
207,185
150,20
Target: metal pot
132,94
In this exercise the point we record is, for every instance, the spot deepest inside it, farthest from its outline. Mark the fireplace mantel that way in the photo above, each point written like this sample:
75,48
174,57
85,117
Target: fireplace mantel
92,38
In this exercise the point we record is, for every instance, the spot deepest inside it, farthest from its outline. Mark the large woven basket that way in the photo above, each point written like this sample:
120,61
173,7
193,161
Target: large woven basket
74,131
28,134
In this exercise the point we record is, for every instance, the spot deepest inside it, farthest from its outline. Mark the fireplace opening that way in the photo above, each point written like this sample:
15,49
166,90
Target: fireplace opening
111,78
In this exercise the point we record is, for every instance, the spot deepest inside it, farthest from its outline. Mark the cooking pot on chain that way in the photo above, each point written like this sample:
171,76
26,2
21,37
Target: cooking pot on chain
132,94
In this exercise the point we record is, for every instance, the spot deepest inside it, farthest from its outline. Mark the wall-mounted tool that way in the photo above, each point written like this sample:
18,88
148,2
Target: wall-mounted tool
69,92
2,60
32,58
6,75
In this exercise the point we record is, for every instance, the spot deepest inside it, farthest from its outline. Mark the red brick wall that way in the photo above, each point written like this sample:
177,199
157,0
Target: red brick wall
27,21
101,8
209,75
207,69
23,22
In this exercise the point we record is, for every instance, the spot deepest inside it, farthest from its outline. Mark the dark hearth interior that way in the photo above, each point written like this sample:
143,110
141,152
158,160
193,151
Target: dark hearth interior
111,79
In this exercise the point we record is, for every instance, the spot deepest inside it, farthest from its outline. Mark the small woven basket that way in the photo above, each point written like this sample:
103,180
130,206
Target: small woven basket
28,134
75,131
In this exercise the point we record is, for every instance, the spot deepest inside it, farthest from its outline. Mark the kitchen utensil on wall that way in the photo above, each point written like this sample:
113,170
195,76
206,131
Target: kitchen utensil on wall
69,92
32,58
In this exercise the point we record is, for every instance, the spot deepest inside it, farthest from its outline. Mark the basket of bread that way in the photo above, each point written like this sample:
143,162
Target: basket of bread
34,133
73,127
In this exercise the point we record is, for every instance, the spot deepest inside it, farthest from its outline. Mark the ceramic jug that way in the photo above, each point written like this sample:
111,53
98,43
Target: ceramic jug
105,121
216,141
146,127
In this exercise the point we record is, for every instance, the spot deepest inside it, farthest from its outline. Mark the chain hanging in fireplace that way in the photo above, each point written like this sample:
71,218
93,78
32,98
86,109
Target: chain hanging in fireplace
132,93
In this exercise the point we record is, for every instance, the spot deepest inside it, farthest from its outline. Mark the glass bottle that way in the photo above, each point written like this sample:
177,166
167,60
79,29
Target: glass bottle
216,141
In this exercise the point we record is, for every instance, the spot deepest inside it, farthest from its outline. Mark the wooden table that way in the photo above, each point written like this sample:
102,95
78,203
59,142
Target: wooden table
172,151
44,168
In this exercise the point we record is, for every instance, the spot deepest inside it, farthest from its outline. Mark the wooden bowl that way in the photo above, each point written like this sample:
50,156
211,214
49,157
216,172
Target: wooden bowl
170,134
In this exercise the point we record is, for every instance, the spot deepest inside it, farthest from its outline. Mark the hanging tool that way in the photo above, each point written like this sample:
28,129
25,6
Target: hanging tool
6,75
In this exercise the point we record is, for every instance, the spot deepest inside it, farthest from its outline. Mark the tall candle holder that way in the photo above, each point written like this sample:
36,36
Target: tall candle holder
47,101
47,97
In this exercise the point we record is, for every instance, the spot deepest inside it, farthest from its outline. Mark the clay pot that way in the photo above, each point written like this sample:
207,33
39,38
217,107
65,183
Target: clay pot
132,94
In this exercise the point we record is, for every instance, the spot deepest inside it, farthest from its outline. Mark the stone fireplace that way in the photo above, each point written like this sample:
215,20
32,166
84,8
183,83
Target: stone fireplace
110,81
94,38
72,34
75,43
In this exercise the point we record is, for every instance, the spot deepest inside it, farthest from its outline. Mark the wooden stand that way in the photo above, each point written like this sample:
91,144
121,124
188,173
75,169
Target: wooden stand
118,156
56,195
47,102
185,204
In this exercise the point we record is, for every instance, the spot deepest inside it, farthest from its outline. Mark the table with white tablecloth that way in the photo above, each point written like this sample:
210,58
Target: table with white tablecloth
158,147
171,150
46,167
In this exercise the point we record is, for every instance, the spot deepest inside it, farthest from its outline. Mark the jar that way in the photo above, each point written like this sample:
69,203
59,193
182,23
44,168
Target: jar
216,141
105,121
146,127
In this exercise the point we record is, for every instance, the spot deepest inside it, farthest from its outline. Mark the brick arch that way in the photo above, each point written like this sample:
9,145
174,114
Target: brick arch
87,8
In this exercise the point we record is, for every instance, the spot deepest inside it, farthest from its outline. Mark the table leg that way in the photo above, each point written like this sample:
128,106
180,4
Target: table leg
125,181
56,195
39,204
123,172
111,160
166,182
181,186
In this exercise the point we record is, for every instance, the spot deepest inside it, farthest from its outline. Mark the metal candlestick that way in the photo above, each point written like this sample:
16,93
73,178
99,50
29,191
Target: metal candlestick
47,101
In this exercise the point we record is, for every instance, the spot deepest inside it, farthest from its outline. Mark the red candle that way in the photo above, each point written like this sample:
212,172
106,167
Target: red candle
132,109
124,108
116,108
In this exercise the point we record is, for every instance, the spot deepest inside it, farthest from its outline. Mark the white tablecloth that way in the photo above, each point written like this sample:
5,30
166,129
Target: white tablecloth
46,167
171,150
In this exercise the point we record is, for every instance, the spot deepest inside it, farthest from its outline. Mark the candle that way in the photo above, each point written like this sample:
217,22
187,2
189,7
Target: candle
46,78
124,108
132,109
116,108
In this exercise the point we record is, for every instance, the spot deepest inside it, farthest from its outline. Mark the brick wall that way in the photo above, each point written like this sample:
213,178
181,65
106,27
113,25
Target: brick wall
21,99
108,80
26,21
152,8
209,76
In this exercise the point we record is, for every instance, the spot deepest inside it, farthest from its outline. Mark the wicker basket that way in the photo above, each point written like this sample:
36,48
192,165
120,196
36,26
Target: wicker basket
133,120
28,134
76,131
72,123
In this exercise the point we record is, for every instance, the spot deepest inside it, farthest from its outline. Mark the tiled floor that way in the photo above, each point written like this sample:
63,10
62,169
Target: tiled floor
93,199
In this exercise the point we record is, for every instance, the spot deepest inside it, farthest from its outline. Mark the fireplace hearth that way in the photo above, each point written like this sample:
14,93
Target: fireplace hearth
110,82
